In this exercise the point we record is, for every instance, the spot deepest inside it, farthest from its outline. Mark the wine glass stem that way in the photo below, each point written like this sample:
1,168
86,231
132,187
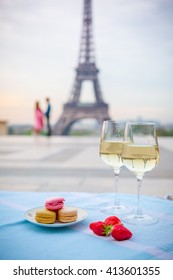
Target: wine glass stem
116,199
139,208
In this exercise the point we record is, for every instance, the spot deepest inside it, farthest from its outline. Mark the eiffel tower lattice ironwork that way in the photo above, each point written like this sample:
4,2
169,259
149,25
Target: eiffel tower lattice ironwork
86,71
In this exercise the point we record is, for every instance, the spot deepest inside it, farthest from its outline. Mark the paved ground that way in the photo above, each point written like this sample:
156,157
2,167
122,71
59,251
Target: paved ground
72,164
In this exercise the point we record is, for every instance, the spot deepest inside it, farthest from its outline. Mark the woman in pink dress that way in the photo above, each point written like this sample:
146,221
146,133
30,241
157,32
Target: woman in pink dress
38,125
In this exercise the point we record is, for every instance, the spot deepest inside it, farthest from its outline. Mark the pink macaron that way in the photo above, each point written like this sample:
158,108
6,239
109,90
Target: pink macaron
54,203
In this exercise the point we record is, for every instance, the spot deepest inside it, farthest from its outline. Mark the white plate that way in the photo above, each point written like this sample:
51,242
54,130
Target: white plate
30,216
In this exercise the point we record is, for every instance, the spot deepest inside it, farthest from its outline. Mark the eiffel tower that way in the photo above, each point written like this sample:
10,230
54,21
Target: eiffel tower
74,110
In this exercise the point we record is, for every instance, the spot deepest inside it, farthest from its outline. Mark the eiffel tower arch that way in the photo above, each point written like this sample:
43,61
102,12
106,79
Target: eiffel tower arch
86,70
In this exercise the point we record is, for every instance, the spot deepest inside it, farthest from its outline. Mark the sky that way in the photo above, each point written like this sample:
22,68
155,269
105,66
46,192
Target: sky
39,48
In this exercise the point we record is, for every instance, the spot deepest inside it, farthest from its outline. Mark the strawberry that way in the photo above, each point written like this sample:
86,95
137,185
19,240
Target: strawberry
100,228
120,232
112,220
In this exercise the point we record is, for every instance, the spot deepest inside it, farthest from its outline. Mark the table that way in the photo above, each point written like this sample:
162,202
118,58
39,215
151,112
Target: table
22,240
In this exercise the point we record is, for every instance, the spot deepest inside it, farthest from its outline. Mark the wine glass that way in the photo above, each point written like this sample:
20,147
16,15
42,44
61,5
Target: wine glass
140,155
111,146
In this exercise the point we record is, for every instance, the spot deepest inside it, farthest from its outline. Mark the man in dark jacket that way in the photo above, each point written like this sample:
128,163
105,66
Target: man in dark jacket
47,115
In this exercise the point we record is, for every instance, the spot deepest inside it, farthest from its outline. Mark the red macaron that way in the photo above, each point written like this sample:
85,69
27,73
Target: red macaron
54,203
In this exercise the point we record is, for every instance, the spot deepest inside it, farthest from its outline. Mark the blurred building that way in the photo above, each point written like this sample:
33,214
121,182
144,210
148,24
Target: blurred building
3,127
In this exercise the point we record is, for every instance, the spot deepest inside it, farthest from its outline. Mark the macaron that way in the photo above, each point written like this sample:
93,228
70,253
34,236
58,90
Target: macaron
67,214
45,216
54,203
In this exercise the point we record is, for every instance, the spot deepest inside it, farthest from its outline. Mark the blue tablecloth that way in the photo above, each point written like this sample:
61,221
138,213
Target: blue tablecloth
20,239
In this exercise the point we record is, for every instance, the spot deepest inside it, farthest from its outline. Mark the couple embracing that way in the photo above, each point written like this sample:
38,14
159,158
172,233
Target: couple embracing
39,118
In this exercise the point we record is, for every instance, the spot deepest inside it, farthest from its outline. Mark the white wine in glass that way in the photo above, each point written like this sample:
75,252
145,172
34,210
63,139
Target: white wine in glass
140,155
111,146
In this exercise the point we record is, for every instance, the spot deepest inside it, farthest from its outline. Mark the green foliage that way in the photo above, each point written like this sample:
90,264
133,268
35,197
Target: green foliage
43,132
81,133
27,132
164,132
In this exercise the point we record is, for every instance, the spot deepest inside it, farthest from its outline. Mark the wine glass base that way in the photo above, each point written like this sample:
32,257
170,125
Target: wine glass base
140,219
116,210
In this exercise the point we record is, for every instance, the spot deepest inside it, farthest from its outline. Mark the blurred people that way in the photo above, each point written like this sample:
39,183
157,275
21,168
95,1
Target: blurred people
38,124
47,115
